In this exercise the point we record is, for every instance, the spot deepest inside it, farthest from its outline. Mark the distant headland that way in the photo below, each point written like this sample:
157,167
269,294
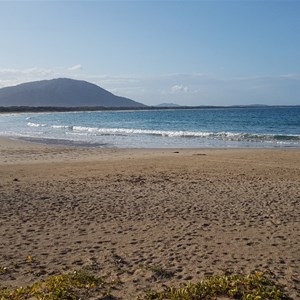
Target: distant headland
62,92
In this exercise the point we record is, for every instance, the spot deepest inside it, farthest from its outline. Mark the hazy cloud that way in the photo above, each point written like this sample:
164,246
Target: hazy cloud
10,77
75,67
179,89
185,89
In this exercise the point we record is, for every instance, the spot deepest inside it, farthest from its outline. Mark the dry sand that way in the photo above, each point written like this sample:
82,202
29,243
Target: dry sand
119,212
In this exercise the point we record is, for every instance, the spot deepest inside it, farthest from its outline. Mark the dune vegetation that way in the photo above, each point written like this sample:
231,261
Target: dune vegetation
83,285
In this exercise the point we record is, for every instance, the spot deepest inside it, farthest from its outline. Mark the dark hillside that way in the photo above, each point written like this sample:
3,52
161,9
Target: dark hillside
62,92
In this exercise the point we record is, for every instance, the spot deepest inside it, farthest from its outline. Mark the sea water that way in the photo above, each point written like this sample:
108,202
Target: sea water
173,128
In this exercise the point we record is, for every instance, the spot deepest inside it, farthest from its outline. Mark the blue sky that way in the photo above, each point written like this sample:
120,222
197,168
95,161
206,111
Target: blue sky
185,52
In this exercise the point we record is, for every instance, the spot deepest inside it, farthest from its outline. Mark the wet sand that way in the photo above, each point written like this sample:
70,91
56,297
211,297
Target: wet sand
121,212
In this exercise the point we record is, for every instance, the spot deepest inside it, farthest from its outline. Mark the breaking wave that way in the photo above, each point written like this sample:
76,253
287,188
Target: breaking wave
224,136
30,124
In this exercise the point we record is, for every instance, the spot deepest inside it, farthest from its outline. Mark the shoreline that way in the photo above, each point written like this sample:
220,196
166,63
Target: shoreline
82,144
123,129
193,212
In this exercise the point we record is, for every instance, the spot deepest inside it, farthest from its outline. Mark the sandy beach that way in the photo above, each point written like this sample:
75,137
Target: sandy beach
122,212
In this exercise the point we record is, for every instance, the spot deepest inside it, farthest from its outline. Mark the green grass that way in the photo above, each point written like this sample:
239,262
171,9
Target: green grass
250,287
77,285
82,285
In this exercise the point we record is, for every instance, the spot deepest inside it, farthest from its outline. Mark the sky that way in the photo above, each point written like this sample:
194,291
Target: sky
212,52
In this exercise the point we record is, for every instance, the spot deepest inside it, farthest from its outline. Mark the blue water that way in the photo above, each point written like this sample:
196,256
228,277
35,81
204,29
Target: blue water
216,128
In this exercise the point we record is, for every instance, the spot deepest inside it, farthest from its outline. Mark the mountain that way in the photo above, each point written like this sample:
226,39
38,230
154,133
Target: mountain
168,105
62,92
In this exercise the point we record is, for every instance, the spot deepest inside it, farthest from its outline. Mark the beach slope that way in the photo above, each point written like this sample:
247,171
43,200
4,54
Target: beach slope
126,213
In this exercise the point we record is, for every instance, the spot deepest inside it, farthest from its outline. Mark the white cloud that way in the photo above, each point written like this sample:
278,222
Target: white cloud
75,67
179,89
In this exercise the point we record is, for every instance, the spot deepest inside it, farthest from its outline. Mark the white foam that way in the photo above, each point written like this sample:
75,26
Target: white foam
131,131
36,124
225,136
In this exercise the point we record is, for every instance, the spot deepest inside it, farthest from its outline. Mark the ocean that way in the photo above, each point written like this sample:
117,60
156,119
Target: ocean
254,127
